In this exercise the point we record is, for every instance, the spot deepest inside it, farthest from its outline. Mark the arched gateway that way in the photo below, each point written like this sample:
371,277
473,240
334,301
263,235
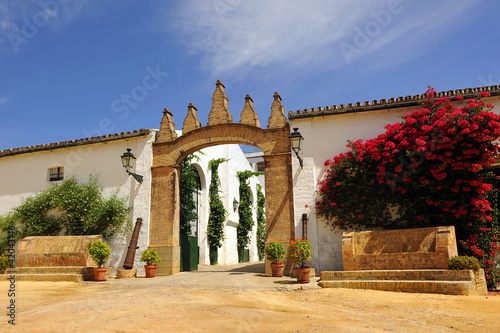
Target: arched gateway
169,151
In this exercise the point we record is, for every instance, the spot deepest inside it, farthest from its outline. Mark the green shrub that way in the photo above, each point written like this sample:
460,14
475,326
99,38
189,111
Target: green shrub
99,252
300,251
275,251
459,263
150,256
69,206
4,263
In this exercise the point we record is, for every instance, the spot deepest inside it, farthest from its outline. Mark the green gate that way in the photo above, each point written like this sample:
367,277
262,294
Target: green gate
189,252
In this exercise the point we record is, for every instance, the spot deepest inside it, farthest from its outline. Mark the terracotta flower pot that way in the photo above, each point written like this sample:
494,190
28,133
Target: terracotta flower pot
302,274
150,271
277,269
100,273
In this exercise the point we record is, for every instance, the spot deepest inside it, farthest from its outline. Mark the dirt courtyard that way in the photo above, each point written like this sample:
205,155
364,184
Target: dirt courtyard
237,301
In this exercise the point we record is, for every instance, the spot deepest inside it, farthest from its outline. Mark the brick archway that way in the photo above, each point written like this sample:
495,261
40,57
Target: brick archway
169,151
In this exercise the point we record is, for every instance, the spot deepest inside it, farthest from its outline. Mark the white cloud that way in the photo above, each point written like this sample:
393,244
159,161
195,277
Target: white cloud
235,34
22,20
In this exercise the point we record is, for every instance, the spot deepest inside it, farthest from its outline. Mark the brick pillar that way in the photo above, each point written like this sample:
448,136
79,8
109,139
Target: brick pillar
164,224
279,202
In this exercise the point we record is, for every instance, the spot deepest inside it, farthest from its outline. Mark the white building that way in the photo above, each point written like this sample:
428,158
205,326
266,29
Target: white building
28,170
325,132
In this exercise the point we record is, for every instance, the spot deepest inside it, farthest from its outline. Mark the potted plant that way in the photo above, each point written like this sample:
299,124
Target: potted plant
99,252
300,252
275,251
150,257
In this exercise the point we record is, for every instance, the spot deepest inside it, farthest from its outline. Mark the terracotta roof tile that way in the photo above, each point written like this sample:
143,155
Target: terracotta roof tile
391,103
74,143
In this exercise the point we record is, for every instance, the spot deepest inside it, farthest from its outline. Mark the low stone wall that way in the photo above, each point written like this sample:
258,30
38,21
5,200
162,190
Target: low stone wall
423,248
44,251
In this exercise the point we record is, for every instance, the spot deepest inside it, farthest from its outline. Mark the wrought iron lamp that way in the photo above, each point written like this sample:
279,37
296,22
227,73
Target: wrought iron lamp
296,143
235,204
128,160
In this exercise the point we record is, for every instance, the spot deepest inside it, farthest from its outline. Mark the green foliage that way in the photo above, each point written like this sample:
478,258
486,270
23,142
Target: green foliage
69,206
432,168
300,252
8,231
463,263
275,251
261,222
150,256
217,216
99,252
189,182
245,209
4,263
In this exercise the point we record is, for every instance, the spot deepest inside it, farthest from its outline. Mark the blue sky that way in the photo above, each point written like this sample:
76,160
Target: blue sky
75,68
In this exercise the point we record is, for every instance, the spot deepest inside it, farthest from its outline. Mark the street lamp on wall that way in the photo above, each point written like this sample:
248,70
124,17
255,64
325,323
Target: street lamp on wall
235,204
128,160
296,143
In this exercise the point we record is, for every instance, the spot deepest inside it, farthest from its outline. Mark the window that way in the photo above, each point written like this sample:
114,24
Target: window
56,174
260,167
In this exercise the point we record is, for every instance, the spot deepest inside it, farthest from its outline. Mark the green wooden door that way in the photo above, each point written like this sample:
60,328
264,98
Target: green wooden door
189,252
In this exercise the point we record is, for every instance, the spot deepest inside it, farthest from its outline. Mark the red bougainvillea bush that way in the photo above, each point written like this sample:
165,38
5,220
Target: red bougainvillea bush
432,168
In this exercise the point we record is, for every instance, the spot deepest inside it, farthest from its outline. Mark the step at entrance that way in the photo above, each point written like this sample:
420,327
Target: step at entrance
53,273
417,281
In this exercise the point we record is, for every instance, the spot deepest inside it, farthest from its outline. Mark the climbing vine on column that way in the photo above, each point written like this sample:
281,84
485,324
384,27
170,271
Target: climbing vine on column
246,221
261,222
217,216
189,181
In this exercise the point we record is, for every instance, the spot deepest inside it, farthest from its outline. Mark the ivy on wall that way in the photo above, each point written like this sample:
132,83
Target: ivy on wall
246,221
217,216
261,222
70,207
189,182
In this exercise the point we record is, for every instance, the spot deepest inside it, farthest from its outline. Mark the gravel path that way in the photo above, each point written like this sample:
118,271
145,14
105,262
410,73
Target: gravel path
238,299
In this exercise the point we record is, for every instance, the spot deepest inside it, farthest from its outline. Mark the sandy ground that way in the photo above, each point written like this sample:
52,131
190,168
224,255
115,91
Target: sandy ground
237,299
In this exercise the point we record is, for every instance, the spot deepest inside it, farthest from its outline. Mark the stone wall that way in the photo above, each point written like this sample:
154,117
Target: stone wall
424,248
49,251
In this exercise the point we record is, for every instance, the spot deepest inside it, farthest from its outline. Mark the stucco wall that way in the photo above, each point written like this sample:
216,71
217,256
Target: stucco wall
324,138
23,175
228,253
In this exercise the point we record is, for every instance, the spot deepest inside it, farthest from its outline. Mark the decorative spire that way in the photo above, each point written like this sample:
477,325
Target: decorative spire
167,128
191,122
277,118
248,115
219,114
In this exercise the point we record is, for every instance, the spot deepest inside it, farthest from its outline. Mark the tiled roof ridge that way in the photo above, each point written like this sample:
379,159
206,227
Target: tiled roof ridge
74,143
389,103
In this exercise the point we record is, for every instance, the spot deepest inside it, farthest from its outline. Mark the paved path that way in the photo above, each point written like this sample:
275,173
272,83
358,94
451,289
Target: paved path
243,276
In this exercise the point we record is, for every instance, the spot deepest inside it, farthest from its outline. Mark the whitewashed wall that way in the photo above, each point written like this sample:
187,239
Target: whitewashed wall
26,174
324,138
228,253
23,175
